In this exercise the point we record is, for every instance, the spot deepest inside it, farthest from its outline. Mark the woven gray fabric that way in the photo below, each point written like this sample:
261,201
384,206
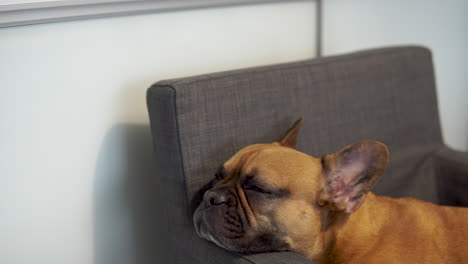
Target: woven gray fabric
385,94
452,176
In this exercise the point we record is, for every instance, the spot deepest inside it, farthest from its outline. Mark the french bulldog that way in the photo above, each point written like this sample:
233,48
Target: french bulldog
271,197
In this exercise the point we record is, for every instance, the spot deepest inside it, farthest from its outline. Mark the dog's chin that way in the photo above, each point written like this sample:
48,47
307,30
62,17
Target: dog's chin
238,245
204,232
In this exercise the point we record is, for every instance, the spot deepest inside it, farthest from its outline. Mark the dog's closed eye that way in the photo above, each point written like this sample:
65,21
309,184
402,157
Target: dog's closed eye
256,189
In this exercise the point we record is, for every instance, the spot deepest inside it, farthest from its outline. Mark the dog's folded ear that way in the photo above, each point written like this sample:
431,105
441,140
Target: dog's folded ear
350,173
291,137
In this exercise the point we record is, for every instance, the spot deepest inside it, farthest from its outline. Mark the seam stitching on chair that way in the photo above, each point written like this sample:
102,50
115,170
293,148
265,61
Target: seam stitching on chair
179,142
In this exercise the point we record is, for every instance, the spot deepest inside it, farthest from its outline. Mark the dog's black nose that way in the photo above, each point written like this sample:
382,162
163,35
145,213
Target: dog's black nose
217,197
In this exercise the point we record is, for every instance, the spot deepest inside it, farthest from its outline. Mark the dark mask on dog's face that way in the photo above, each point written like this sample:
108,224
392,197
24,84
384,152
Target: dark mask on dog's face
271,197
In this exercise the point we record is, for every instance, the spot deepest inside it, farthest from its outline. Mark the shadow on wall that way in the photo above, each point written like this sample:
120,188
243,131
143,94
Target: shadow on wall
126,208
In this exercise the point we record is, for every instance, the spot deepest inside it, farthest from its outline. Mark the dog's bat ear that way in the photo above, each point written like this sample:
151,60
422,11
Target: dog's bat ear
350,173
291,137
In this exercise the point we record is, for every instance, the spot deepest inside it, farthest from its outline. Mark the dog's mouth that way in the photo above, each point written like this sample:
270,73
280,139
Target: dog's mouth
204,231
221,225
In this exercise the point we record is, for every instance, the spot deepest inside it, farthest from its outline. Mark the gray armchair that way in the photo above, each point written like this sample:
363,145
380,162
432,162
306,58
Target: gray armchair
384,94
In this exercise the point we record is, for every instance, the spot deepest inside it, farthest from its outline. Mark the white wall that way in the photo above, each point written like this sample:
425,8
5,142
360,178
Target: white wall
439,25
75,149
74,129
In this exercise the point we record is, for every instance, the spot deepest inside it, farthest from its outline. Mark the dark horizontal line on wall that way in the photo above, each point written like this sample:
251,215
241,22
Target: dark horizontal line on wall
56,11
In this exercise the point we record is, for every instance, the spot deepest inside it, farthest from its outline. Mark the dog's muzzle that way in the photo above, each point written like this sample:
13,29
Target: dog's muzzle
217,217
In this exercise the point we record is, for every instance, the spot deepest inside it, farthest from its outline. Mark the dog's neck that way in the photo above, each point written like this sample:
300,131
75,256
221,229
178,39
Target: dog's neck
351,236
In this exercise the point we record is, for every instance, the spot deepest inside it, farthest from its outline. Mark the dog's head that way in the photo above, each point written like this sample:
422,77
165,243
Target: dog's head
271,197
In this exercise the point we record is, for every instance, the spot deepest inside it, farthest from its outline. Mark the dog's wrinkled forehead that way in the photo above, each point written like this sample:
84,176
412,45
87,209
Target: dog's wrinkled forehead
243,155
279,165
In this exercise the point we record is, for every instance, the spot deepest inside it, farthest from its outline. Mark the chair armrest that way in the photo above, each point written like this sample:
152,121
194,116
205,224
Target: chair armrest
452,176
200,251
